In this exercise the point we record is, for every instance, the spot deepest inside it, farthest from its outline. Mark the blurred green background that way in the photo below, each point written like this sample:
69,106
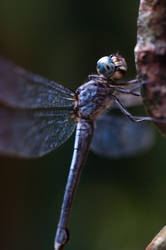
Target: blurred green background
120,204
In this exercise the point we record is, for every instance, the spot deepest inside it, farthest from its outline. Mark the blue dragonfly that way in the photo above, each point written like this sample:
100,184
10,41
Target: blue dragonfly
38,115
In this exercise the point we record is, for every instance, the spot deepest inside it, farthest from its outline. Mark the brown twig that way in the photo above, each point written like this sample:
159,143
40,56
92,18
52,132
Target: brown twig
159,241
150,54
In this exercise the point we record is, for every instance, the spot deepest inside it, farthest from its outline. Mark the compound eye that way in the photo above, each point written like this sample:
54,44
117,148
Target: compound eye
105,66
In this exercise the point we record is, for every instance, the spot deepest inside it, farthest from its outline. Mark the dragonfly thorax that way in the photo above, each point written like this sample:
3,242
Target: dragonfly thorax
92,99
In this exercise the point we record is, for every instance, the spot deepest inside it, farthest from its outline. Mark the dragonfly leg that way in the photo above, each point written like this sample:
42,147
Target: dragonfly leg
136,118
137,84
97,77
134,81
128,91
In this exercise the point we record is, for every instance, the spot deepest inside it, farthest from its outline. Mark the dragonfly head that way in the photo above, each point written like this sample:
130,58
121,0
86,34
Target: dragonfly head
112,67
120,66
105,66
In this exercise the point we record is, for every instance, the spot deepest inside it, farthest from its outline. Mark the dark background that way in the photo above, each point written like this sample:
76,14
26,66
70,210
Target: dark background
120,204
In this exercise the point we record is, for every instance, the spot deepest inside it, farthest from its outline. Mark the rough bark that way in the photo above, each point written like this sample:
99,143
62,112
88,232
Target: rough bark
150,54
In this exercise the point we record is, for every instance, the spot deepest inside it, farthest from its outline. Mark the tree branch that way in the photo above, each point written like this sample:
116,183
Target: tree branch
150,54
159,241
150,57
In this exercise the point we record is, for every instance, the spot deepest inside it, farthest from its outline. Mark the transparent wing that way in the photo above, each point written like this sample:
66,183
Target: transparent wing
23,89
117,136
33,133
